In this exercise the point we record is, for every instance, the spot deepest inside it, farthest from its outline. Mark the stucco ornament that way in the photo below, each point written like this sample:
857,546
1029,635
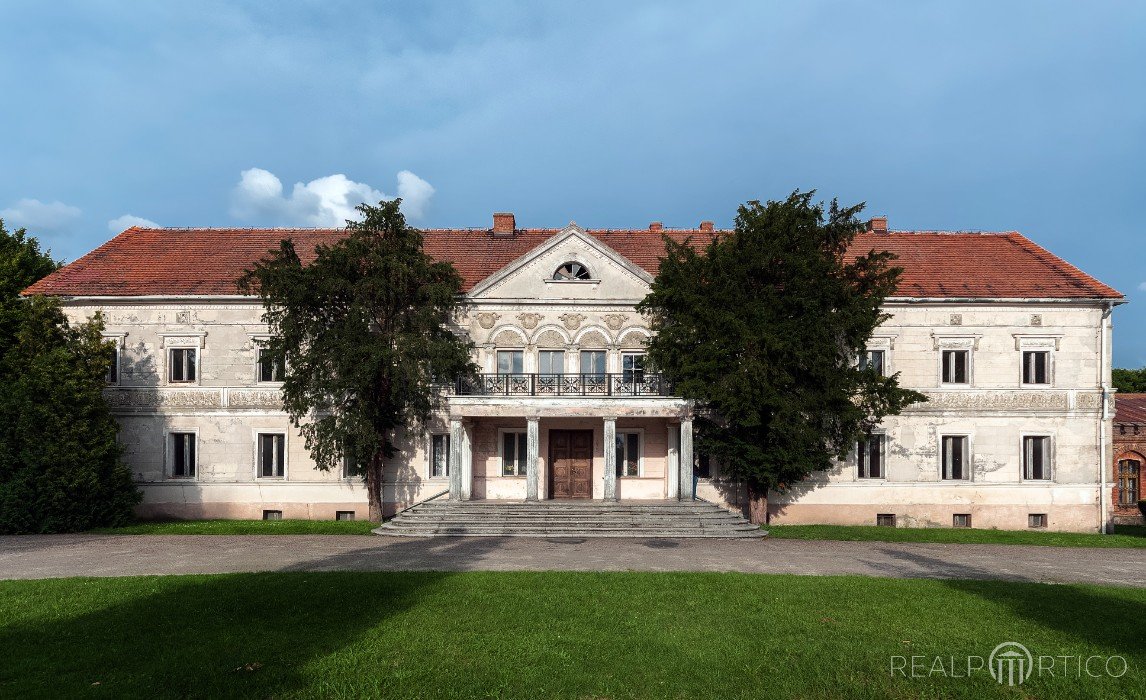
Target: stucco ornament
572,321
529,321
615,321
183,317
487,319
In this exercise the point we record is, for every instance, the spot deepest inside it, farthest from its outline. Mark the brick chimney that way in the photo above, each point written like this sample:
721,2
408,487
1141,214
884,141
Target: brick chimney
656,227
877,224
503,222
707,226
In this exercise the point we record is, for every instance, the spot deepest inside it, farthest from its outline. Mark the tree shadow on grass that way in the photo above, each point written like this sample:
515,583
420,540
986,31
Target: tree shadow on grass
196,636
1107,617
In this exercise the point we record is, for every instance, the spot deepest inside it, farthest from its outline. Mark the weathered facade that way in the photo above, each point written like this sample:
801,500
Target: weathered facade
1010,344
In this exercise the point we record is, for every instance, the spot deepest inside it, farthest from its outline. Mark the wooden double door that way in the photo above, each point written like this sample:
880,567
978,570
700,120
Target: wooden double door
570,463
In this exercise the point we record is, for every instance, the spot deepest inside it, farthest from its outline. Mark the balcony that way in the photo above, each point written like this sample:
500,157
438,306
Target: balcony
625,384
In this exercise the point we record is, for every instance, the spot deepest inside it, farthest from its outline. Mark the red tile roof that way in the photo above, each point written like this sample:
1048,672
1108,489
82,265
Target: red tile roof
1130,408
177,262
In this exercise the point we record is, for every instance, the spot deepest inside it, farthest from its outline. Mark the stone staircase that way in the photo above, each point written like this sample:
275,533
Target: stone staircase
668,519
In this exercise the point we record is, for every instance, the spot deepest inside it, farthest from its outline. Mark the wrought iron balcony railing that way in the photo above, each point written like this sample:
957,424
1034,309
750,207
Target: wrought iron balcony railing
572,385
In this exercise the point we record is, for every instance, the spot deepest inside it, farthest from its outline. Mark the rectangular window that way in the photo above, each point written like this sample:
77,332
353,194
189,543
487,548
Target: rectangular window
703,466
272,455
551,362
869,457
961,520
628,454
112,376
183,455
510,362
513,453
1036,458
272,515
955,458
1129,475
593,362
885,519
1036,367
352,467
633,367
270,366
344,515
873,359
955,366
1037,520
440,455
181,365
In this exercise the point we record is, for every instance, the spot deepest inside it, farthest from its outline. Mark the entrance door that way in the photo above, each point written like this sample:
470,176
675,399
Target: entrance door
570,463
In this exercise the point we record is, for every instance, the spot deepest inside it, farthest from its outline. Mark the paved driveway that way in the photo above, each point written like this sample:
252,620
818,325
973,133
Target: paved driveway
48,556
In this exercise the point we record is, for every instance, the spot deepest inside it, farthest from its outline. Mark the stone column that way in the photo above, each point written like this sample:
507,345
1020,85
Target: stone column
672,489
457,491
610,442
532,445
687,492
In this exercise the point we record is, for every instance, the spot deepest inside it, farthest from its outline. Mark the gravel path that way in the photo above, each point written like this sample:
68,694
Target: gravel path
50,556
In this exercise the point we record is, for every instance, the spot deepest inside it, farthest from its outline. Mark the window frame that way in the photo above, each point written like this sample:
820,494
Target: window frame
881,437
1048,457
194,365
967,369
497,361
169,453
519,442
638,375
430,436
550,351
259,350
640,433
604,363
968,458
118,341
1122,499
261,432
1049,367
862,360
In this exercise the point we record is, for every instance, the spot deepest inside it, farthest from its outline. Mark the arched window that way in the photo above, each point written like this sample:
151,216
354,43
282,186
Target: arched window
1129,475
572,271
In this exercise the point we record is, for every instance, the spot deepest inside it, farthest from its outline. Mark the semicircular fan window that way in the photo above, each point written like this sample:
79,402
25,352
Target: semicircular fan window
572,271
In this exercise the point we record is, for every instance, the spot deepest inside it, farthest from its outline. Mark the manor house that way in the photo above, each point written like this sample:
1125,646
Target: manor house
1011,345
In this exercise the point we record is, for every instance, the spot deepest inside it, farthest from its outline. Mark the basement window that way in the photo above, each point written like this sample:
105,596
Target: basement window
961,520
885,520
272,515
344,515
1037,520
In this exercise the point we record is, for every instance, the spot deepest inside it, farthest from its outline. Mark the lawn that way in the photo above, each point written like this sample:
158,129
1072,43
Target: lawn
536,635
1124,535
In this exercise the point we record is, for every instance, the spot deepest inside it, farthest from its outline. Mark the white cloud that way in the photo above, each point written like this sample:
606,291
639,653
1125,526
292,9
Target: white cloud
326,201
127,221
41,217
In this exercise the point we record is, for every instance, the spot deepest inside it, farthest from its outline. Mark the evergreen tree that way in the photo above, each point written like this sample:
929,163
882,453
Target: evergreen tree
60,466
763,329
363,330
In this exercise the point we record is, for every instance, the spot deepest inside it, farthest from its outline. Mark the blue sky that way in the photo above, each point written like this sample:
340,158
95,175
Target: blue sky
941,115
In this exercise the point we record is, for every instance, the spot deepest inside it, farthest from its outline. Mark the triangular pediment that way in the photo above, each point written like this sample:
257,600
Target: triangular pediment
610,276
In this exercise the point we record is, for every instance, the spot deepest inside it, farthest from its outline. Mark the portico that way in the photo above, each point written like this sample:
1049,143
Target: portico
571,448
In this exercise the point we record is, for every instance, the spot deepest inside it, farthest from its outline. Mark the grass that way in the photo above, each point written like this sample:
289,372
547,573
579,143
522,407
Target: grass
242,527
1124,535
552,634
